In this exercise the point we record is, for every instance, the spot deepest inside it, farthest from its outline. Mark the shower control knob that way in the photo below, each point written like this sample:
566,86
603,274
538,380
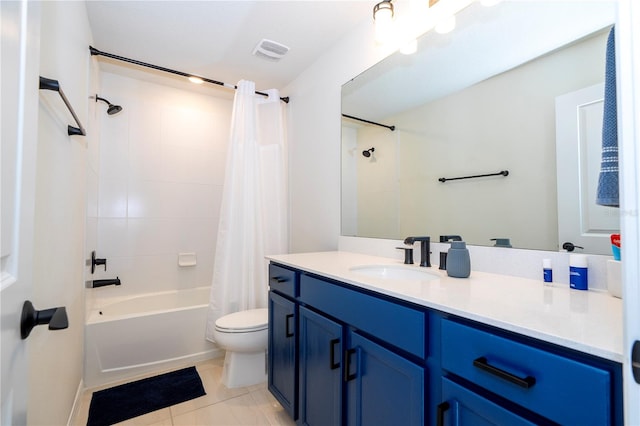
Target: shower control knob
95,262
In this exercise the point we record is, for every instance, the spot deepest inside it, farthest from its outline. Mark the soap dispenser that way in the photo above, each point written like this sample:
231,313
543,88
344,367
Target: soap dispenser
458,261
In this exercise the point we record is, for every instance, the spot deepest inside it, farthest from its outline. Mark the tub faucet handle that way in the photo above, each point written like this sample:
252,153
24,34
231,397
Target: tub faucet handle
95,261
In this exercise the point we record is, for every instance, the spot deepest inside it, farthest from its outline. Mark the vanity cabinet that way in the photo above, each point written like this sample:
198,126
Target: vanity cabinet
282,343
352,369
343,355
519,379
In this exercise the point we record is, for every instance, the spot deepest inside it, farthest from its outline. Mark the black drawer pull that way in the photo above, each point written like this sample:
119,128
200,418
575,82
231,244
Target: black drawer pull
288,332
279,280
332,349
440,410
482,364
347,364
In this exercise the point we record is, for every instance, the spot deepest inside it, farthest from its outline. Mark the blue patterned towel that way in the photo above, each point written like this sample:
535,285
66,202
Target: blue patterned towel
608,181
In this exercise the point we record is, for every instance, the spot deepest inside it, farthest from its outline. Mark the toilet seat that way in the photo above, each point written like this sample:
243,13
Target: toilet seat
244,321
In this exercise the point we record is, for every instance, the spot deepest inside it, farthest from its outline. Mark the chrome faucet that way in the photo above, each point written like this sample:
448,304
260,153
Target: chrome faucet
425,249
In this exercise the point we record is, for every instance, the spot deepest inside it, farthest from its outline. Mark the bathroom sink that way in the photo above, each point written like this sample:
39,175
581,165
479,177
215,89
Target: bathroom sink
394,272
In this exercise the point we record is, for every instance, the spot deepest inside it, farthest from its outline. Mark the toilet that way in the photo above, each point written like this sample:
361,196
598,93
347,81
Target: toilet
243,335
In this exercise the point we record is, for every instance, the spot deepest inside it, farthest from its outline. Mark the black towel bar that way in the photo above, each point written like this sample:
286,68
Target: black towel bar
501,173
49,84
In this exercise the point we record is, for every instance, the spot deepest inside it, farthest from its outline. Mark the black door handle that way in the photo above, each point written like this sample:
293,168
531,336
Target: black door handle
55,317
288,332
332,350
483,364
347,365
635,361
440,410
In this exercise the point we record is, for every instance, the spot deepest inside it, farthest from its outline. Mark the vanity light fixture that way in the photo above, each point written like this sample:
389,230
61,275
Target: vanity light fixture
383,18
195,80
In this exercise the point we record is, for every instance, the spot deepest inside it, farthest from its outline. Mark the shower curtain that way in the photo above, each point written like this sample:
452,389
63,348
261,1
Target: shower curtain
253,214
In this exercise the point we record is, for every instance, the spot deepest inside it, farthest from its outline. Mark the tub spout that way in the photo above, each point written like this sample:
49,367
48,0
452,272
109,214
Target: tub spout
102,283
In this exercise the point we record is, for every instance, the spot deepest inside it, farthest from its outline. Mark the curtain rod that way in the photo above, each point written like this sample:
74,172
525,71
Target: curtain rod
392,128
95,51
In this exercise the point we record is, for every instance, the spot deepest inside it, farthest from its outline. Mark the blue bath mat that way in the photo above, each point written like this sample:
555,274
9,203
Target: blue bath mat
134,399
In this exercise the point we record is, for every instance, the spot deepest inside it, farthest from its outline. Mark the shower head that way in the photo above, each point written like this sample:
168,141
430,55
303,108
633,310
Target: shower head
112,109
367,152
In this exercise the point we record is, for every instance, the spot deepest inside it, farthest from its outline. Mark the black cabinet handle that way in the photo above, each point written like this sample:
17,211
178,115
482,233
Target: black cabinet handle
440,410
332,349
482,364
288,332
347,363
279,280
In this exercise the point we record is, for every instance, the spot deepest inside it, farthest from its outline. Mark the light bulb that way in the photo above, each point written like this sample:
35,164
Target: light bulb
383,17
196,80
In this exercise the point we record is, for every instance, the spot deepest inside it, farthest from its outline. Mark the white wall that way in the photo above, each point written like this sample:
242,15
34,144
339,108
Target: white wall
56,357
160,175
314,139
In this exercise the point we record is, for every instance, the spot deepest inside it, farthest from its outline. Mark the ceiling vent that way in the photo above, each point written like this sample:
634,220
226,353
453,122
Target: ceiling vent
269,49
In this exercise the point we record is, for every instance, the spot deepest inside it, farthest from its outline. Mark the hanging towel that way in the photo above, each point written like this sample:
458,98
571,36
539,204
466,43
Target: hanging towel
608,181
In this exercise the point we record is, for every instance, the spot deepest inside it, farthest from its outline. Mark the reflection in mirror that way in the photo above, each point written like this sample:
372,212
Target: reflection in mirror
477,101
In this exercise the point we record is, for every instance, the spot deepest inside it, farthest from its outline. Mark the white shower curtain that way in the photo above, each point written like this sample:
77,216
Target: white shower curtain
253,214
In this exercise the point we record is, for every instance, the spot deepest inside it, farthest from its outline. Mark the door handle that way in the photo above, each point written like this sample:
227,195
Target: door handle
347,365
483,364
635,361
287,331
55,317
440,410
332,354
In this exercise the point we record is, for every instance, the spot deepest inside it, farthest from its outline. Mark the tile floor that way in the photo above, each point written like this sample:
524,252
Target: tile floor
248,406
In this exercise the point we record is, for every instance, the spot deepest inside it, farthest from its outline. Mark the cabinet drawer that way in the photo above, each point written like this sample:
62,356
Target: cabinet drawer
396,324
561,389
283,280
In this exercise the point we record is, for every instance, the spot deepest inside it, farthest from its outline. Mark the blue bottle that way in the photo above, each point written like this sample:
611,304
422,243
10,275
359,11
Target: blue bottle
458,261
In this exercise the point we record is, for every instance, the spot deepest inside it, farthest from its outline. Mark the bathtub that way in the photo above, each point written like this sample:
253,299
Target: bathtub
127,337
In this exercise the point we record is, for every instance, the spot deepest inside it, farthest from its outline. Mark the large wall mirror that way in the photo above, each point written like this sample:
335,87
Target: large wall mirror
491,96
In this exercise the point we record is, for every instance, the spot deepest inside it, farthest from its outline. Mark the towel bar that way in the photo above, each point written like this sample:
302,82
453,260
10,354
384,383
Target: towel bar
501,173
50,84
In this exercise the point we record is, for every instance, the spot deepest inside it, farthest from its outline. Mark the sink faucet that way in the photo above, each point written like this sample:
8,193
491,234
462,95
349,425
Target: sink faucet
425,258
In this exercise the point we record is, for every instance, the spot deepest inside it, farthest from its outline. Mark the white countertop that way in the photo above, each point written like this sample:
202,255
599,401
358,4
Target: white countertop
587,321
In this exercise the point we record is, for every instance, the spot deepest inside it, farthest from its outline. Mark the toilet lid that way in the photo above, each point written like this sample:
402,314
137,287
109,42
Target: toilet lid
244,321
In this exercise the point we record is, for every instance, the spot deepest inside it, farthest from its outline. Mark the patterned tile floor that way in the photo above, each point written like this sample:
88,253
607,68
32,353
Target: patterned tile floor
248,406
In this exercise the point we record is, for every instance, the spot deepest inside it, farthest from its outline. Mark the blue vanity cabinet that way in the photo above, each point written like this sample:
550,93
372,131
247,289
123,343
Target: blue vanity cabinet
383,387
283,334
320,361
540,384
462,406
361,357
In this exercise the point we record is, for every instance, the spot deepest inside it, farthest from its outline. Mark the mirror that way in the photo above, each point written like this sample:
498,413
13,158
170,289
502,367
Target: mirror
479,100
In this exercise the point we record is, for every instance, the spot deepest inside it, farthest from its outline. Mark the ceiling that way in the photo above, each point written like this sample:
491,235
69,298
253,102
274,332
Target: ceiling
215,39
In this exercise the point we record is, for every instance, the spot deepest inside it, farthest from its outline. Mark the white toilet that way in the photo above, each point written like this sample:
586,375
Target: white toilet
244,336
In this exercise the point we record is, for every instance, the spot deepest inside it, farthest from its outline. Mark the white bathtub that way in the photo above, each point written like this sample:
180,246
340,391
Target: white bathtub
145,333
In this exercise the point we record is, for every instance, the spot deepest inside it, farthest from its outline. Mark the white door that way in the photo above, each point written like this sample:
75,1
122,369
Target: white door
20,28
578,154
628,65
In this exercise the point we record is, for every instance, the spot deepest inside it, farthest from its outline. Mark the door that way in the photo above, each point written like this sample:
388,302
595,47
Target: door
383,388
627,42
463,407
19,87
320,370
578,155
282,352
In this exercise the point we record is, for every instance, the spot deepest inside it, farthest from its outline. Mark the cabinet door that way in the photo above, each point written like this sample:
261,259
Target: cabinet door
320,370
383,388
462,407
282,352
